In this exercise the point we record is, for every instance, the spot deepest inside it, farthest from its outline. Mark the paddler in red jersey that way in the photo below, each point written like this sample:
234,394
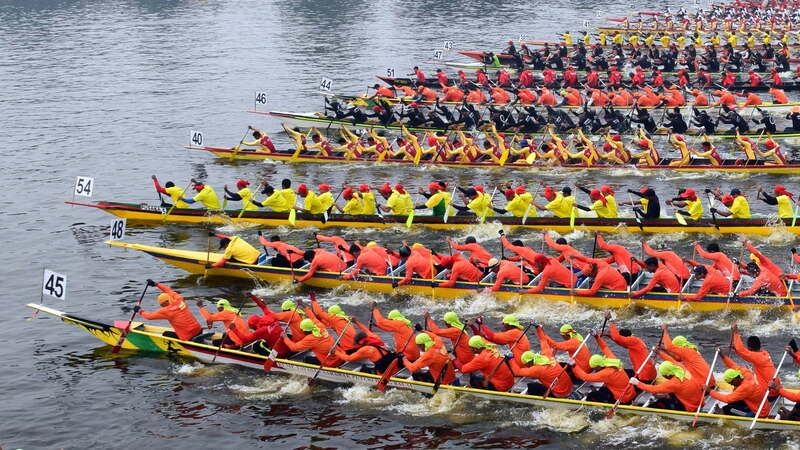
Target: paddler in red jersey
663,279
382,91
316,338
266,333
228,315
419,74
370,351
637,350
551,271
460,270
174,310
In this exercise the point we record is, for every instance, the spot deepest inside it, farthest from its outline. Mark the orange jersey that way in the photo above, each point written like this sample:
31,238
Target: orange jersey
508,337
486,361
463,351
637,352
403,334
324,261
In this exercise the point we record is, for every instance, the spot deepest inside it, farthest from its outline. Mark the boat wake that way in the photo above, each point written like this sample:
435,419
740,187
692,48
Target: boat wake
272,387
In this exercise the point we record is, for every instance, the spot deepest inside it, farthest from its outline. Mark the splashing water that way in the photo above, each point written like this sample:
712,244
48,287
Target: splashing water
272,387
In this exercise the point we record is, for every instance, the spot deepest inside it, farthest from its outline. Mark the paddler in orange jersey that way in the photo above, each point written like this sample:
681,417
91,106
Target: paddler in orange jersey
174,192
319,142
763,367
648,98
774,152
499,95
526,97
721,261
408,92
368,259
418,261
571,97
426,94
237,250
507,272
287,254
700,99
452,94
709,151
679,143
544,368
477,253
622,98
435,357
512,332
316,338
626,263
402,330
637,350
761,259
747,393
714,282
262,141
368,348
649,155
688,390
382,91
463,352
336,319
778,96
486,359
751,99
663,279
175,311
340,245
205,195
546,97
570,342
724,98
476,96
598,98
604,276
321,260
561,204
550,270
782,198
229,316
606,369
674,99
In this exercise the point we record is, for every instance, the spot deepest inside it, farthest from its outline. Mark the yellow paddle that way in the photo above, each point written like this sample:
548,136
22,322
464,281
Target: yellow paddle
572,215
679,217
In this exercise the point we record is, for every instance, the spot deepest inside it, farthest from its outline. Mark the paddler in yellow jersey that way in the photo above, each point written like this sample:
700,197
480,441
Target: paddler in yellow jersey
398,200
649,154
744,144
244,194
320,143
289,197
368,205
353,206
617,39
715,40
688,199
649,39
438,199
774,152
782,198
633,39
275,200
325,197
237,250
298,138
709,152
567,38
679,143
560,204
614,149
664,40
205,195
601,38
518,203
736,202
262,141
479,203
311,202
600,205
174,192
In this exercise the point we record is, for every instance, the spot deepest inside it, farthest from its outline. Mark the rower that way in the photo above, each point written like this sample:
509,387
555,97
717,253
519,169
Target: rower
438,199
315,337
626,263
266,335
747,394
604,276
571,341
173,191
637,350
368,349
782,198
600,205
606,369
367,258
311,202
649,155
736,202
688,390
325,147
400,327
205,195
244,194
229,316
368,205
174,310
353,206
435,357
679,143
681,351
663,279
519,203
300,138
489,362
418,261
460,270
512,333
561,204
321,260
262,141
709,152
479,203
506,271
714,282
543,368
398,201
766,283
551,271
721,261
688,199
527,254
336,319
761,259
275,200
237,250
774,152
761,361
287,255
462,351
340,246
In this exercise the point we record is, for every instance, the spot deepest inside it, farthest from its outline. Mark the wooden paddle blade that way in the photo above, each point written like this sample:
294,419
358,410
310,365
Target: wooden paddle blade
269,364
381,385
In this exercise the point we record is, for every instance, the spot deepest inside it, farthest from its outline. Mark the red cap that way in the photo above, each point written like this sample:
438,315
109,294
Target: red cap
726,199
643,190
606,189
399,188
644,143
479,189
509,193
432,141
689,193
520,190
199,186
302,190
241,184
363,188
386,189
770,144
435,186
347,193
679,138
548,192
324,187
606,146
616,137
780,190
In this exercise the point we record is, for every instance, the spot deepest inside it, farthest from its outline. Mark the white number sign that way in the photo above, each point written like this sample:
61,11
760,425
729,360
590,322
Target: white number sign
523,37
585,24
195,138
84,186
261,98
325,84
448,45
117,229
390,72
438,54
54,284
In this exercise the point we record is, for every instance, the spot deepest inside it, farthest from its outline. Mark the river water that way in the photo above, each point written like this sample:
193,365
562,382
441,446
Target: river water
110,90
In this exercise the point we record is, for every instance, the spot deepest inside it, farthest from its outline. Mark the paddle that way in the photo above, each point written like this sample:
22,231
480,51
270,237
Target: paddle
273,354
387,374
439,379
124,333
635,375
488,379
766,394
679,218
313,379
327,212
711,207
239,145
208,255
708,378
486,213
635,214
227,331
564,369
447,208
